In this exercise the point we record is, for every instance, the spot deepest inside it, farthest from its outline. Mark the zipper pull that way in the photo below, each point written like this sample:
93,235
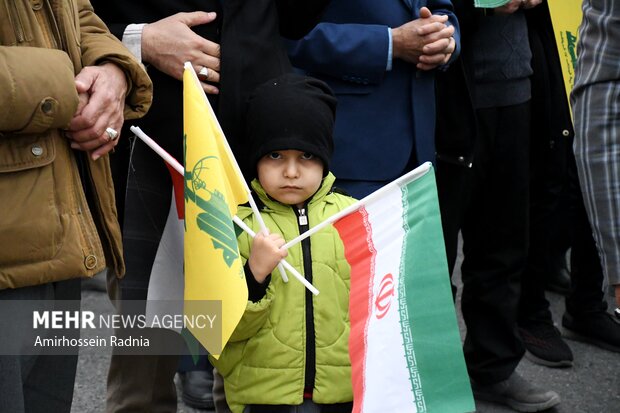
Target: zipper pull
303,219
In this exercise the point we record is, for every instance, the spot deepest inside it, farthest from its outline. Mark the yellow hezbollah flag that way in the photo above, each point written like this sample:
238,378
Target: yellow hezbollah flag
566,17
214,187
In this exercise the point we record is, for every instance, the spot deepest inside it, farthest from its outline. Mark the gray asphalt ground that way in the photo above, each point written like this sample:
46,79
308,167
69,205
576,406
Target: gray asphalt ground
592,385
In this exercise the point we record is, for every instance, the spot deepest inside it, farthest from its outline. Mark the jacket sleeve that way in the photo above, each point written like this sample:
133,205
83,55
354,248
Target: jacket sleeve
38,89
351,52
117,29
446,8
99,45
256,314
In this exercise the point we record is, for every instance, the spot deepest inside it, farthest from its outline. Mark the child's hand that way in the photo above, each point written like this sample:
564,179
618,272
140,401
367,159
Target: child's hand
265,255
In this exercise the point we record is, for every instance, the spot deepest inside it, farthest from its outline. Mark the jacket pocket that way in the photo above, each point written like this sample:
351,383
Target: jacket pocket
30,225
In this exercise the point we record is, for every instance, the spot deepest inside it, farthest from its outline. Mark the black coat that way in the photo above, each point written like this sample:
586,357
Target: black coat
251,53
456,118
456,129
248,32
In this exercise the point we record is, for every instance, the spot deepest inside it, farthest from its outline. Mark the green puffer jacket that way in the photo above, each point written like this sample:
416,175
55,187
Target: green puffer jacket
265,360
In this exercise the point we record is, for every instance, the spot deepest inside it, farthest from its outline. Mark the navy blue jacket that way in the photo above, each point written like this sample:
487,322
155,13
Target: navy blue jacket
383,117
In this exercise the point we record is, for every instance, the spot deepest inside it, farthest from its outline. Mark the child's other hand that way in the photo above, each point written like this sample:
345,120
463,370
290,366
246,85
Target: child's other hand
265,255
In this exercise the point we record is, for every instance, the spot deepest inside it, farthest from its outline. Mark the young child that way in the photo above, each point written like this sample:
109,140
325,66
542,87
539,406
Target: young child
290,352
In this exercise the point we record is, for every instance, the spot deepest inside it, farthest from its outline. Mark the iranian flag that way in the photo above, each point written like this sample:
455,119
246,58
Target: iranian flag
405,346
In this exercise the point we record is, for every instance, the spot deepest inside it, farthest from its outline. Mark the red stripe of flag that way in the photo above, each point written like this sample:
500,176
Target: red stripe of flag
179,190
360,252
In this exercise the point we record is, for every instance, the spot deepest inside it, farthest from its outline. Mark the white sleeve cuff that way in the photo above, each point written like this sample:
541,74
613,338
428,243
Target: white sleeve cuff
388,67
132,39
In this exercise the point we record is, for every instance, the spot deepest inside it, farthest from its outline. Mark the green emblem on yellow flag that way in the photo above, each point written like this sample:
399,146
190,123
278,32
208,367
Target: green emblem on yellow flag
215,219
566,16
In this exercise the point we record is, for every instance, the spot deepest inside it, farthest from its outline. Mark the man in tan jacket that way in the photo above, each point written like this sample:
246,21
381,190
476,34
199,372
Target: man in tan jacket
66,87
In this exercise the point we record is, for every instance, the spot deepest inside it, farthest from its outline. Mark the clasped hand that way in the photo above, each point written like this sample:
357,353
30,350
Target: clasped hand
101,90
426,42
514,5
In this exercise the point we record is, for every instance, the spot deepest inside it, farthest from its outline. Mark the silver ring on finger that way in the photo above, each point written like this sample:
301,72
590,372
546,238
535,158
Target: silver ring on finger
204,72
112,133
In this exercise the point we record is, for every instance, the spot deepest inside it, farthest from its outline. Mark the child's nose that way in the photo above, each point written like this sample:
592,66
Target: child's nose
291,170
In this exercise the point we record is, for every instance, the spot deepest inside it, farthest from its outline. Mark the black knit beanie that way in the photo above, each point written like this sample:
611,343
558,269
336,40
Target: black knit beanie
291,112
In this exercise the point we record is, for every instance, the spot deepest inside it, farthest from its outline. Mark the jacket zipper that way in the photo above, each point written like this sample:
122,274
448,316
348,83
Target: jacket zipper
85,189
16,21
310,370
58,35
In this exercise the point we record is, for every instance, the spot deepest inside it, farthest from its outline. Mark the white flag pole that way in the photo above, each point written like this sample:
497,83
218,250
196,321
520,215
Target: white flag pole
414,174
179,168
259,218
288,266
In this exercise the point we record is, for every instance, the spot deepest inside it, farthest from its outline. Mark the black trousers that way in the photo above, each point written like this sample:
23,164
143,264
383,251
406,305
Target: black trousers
453,190
38,383
145,205
495,242
559,220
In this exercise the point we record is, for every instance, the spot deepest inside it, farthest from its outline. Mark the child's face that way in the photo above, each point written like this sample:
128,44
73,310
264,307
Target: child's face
290,176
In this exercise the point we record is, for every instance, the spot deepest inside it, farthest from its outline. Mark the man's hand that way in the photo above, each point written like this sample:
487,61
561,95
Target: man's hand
426,41
515,5
431,61
101,91
265,255
528,4
440,50
618,295
168,43
410,39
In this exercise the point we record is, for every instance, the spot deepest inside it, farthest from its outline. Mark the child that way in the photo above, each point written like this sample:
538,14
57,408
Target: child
289,352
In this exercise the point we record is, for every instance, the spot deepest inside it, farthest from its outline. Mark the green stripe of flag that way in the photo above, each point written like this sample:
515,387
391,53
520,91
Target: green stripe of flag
438,367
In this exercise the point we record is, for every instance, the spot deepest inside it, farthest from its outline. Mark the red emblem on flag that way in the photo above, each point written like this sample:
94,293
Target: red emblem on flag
384,298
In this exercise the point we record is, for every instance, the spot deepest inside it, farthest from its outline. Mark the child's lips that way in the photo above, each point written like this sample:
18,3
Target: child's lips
291,187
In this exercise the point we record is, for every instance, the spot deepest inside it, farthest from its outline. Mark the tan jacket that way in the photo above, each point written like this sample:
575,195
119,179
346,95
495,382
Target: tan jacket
47,231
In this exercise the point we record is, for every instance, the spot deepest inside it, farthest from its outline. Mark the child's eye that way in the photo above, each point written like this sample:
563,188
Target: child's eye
274,155
307,156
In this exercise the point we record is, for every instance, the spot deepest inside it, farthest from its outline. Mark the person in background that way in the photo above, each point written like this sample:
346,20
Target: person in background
556,207
594,99
67,86
381,63
496,69
289,352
